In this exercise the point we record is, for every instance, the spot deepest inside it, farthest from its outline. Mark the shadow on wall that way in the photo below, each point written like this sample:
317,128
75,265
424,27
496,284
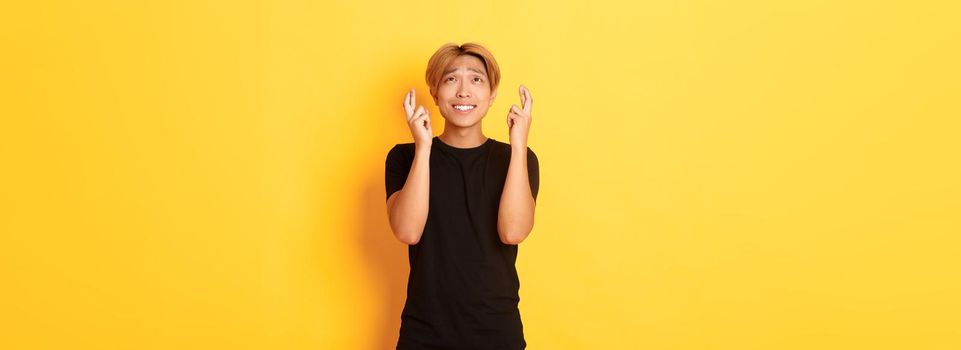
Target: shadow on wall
386,260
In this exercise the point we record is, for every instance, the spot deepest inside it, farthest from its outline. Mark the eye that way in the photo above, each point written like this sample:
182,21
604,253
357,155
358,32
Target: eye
449,79
478,79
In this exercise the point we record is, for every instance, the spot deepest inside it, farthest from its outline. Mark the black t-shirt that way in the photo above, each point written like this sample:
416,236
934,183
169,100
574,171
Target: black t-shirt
462,291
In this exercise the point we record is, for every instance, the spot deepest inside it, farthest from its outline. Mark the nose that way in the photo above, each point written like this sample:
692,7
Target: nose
462,92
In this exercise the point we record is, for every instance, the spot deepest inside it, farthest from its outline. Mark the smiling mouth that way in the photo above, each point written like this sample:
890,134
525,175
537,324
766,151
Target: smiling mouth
464,108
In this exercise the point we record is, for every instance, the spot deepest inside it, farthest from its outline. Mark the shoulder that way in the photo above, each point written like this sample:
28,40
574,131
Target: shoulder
401,151
402,148
503,148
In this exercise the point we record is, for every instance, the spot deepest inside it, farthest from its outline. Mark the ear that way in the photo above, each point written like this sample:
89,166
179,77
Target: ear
435,100
493,96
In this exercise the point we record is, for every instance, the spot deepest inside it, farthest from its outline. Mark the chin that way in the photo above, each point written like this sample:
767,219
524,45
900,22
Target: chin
461,123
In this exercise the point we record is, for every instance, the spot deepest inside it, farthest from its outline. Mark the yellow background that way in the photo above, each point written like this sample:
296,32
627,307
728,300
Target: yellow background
714,174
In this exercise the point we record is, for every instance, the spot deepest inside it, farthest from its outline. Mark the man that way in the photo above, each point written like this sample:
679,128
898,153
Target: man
462,202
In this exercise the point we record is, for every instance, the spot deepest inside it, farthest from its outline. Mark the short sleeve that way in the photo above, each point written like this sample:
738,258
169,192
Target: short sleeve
533,172
397,167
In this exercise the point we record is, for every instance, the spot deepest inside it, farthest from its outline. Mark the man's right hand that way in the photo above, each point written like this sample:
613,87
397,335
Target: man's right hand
418,121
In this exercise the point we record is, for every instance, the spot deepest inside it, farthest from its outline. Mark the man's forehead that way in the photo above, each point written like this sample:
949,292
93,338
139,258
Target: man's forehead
464,67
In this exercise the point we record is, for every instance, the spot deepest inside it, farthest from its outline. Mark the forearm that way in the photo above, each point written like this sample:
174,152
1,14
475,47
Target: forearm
515,216
409,212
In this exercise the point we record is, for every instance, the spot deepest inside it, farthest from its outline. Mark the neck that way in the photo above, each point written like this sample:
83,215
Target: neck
468,137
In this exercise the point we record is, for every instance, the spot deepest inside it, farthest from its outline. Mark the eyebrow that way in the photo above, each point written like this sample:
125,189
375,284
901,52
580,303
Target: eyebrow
469,68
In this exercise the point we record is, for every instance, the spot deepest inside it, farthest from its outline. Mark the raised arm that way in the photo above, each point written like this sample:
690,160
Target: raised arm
515,215
407,208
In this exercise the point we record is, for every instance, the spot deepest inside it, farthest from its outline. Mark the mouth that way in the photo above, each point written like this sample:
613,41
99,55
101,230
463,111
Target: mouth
463,108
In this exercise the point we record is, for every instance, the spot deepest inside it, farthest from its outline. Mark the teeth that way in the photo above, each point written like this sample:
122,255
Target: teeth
463,107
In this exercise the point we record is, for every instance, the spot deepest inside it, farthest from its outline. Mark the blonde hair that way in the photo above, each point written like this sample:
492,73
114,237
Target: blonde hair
450,51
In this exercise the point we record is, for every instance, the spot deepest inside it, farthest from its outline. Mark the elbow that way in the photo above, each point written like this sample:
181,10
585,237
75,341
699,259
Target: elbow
512,238
405,233
408,239
406,236
513,233
512,241
513,229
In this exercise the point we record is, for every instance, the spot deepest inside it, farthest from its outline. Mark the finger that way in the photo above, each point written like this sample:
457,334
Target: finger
523,96
410,102
413,119
408,106
426,122
528,98
419,121
423,116
515,109
419,111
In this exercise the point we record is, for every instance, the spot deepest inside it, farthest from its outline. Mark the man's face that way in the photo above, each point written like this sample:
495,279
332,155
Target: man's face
464,93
